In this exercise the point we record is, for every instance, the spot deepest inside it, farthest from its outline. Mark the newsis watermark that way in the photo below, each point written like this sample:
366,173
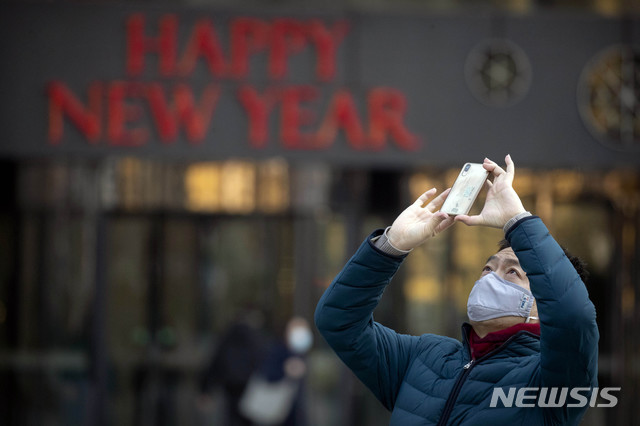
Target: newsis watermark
554,397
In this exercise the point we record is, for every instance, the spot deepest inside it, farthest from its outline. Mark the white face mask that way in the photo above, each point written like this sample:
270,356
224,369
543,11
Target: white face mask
493,297
300,340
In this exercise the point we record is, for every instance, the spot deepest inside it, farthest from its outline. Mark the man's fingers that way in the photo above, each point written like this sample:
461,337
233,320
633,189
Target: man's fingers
440,216
435,203
493,167
438,201
438,222
469,220
424,197
446,222
511,168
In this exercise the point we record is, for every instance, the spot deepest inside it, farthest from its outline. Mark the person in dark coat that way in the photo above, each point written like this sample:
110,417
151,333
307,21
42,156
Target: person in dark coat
532,329
240,352
285,359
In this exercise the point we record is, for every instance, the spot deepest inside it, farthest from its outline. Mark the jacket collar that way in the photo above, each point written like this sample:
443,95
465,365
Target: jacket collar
527,342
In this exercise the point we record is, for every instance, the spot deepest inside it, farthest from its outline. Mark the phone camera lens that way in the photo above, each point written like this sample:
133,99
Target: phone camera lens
467,167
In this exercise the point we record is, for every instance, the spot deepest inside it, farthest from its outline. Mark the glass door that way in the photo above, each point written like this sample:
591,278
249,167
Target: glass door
174,284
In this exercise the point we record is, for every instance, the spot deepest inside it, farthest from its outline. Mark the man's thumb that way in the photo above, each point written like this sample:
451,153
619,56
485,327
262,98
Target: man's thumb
467,220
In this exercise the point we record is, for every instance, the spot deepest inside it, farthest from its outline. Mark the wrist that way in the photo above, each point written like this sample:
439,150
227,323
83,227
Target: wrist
515,218
395,245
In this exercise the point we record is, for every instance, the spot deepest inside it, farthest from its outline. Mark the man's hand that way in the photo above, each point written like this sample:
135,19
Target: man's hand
417,223
502,201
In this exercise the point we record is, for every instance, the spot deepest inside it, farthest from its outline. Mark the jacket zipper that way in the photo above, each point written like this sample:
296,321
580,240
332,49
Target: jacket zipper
466,369
448,408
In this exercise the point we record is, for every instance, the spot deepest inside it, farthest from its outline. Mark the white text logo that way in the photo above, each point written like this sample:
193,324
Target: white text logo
554,397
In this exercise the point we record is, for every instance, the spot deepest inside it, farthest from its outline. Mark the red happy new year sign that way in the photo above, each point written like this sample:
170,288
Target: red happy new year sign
134,111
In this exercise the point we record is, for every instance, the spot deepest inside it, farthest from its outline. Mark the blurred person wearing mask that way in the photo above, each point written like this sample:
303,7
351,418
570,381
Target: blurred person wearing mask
275,394
531,323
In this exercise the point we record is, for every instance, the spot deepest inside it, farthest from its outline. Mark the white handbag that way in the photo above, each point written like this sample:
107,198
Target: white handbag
268,403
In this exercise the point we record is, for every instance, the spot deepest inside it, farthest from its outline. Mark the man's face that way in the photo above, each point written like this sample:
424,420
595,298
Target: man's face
507,266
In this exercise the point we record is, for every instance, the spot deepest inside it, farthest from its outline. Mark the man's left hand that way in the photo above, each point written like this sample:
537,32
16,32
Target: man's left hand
419,221
502,201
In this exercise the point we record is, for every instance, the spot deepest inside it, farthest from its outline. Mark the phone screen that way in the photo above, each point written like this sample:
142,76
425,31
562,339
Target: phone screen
465,189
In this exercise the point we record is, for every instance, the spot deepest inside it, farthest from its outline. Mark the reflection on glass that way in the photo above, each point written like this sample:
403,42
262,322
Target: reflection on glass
127,315
567,184
273,186
202,182
422,289
419,183
237,187
237,191
180,290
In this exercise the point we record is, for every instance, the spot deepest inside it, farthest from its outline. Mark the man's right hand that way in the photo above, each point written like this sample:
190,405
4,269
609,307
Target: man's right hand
502,202
417,223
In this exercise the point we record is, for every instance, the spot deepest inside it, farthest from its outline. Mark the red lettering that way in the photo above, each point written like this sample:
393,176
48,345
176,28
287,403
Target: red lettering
195,119
294,116
63,102
203,42
248,36
387,108
342,113
287,37
258,109
326,42
121,113
164,44
283,38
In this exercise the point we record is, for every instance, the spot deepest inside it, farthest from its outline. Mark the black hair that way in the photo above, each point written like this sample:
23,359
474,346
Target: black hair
579,265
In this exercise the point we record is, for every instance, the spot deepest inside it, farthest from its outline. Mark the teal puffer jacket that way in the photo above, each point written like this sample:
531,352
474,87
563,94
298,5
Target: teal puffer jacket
430,379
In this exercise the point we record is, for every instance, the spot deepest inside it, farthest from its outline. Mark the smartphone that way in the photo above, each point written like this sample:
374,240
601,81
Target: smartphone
465,189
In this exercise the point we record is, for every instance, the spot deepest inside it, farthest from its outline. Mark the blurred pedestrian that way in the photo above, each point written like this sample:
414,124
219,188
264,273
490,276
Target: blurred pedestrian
240,352
275,393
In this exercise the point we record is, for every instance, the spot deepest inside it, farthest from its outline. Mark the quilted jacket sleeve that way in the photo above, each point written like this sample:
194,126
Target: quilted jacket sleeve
344,316
568,330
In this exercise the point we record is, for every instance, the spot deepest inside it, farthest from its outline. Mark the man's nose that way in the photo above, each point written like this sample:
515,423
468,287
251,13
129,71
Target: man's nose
502,274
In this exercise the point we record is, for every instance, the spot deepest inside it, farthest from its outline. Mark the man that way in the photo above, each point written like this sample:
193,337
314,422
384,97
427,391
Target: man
429,379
